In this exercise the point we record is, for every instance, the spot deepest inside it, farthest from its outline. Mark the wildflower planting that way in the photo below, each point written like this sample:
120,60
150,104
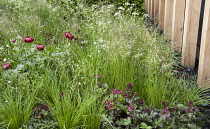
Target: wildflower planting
72,65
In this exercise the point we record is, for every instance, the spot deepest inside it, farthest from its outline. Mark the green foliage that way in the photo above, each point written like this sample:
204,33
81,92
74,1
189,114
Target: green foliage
124,109
110,47
137,5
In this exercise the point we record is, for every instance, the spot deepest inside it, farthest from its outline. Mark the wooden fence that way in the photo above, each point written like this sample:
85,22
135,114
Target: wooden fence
187,24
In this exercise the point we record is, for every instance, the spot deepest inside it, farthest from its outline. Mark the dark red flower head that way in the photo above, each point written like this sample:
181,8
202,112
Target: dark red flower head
45,107
6,65
69,35
40,47
164,102
141,101
191,103
13,40
28,39
36,109
129,85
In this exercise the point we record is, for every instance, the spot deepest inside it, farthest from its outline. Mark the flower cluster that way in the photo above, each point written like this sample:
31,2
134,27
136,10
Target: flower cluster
41,112
125,109
40,47
41,117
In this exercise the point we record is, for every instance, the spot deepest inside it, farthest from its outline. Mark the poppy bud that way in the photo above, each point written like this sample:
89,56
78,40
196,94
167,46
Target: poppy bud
40,47
6,65
28,39
69,35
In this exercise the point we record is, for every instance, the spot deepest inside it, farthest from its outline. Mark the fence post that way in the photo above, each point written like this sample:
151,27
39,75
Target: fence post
145,5
148,6
152,8
191,25
204,59
156,10
168,18
178,24
161,14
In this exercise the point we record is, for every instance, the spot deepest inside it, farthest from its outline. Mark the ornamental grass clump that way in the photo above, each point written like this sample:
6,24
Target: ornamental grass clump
124,109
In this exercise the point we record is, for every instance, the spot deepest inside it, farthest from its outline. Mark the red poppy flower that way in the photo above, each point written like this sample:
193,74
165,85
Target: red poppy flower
40,47
6,65
69,35
28,39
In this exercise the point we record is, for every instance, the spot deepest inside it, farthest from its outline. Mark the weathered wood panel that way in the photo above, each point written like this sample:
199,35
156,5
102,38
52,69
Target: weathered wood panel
168,18
156,10
204,59
191,25
161,14
178,24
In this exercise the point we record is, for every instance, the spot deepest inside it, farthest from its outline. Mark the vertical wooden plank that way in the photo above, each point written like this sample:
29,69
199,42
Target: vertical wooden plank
161,14
204,59
178,24
146,5
156,10
168,18
152,8
191,25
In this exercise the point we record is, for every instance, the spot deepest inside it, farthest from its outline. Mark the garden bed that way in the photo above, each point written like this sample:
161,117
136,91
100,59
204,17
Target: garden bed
65,65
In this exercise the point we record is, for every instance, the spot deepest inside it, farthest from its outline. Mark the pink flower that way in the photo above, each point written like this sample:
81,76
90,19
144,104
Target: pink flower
6,66
191,103
129,85
13,40
117,91
108,102
69,35
42,115
108,105
187,110
175,108
98,76
28,39
61,94
36,109
40,47
147,110
164,103
130,107
135,93
45,107
196,108
165,111
141,101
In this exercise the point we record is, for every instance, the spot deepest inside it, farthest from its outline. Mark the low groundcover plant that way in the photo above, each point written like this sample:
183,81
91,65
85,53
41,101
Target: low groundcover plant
125,109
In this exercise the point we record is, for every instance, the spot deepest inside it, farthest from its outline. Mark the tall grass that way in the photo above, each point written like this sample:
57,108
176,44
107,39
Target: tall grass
108,43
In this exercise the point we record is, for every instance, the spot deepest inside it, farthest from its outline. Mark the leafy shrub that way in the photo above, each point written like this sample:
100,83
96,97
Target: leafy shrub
126,110
131,5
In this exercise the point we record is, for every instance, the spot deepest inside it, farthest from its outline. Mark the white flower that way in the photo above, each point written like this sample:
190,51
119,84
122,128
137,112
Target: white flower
5,59
7,45
135,14
1,48
19,37
9,81
127,3
121,8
